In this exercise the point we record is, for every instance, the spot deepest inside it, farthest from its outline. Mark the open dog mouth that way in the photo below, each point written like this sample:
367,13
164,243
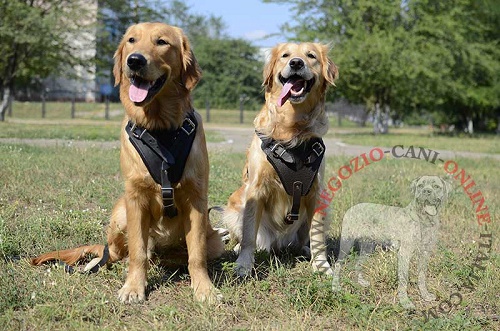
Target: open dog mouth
430,207
142,89
295,88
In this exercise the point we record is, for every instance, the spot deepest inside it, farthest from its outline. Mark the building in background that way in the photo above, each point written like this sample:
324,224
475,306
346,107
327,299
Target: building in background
79,82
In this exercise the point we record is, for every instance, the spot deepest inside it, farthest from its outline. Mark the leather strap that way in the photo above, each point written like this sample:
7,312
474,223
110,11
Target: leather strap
167,193
296,167
165,152
293,214
102,262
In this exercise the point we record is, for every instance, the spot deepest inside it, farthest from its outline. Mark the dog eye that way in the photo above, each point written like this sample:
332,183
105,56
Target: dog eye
311,56
131,40
161,42
285,55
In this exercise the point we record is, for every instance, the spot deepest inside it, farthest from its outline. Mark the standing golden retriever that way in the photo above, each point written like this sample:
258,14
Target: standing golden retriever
157,70
260,213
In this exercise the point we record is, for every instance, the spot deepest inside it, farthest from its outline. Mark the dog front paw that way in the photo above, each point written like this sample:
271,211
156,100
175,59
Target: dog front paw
243,271
362,281
427,296
405,301
132,293
336,284
208,294
243,268
224,234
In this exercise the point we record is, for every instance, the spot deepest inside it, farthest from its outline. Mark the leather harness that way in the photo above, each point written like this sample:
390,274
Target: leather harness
296,166
165,152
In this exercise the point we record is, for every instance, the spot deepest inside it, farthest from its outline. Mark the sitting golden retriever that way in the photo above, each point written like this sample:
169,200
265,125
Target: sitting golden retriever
164,207
275,206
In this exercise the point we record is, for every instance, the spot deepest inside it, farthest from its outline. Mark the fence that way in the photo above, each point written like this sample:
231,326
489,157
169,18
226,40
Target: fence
60,104
68,104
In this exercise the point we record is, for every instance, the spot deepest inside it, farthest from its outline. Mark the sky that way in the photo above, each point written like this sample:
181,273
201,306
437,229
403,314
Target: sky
248,19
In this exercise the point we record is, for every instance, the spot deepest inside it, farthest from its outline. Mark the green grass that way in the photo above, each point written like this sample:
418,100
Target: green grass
422,138
58,197
89,124
72,130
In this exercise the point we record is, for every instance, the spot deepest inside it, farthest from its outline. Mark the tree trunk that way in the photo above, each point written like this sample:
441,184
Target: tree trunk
470,126
376,120
381,121
385,119
5,103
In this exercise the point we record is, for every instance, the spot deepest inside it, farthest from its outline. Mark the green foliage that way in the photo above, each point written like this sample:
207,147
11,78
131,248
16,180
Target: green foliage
115,16
38,39
411,56
231,70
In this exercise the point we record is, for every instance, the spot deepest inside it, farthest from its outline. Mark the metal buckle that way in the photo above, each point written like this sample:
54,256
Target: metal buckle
138,136
276,146
318,148
191,124
167,194
290,218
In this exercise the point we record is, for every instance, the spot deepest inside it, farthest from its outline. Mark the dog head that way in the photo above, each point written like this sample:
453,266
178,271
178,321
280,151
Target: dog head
298,72
430,193
153,59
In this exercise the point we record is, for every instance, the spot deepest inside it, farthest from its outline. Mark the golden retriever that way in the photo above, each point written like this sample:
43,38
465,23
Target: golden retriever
157,70
296,77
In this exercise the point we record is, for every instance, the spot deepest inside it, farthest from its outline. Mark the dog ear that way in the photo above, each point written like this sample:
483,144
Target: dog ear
331,73
117,68
191,71
269,67
330,70
413,185
448,187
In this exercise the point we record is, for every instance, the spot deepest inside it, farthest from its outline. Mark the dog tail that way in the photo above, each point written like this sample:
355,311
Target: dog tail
70,256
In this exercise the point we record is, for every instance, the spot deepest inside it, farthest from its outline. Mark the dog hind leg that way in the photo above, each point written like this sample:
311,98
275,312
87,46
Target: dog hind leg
404,256
251,220
345,247
423,262
365,248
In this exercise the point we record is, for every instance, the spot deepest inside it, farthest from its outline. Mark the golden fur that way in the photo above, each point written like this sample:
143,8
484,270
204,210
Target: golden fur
137,225
255,212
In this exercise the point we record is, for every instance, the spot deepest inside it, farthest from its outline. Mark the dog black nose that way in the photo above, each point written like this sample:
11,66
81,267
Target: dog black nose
136,61
296,63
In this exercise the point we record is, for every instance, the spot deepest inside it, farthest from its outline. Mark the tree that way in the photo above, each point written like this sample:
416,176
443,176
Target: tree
366,38
38,38
462,38
411,56
41,38
231,69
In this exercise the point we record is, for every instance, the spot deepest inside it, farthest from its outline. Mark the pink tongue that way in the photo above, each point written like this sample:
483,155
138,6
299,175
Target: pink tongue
137,93
285,93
